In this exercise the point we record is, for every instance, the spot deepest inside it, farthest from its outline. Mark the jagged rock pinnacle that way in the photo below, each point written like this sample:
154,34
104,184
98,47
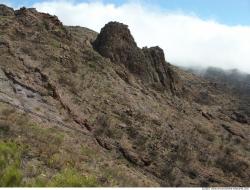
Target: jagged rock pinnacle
116,42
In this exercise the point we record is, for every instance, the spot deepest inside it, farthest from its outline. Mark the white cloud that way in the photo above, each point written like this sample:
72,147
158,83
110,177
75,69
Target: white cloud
6,2
186,39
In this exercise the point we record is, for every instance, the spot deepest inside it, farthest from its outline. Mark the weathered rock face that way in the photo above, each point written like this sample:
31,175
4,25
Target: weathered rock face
30,23
160,71
30,17
116,42
6,11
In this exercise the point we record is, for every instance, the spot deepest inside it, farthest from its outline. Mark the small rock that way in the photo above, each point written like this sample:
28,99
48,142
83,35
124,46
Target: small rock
147,161
106,101
129,112
30,95
122,125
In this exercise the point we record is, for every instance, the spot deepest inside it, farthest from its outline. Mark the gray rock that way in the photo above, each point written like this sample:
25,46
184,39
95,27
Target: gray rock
6,11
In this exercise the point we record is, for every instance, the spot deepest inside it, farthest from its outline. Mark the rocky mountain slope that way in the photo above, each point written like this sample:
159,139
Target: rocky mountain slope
80,108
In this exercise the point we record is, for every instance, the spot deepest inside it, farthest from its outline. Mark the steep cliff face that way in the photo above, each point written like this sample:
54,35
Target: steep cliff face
107,114
160,70
116,42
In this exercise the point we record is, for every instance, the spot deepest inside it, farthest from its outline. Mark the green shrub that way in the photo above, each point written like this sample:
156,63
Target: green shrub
10,173
7,112
11,177
116,176
55,161
71,178
43,134
39,181
87,151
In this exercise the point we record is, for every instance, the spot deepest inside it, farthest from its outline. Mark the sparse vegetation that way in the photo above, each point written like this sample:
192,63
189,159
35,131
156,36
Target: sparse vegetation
77,113
206,132
108,127
231,162
10,158
55,43
117,177
88,151
71,178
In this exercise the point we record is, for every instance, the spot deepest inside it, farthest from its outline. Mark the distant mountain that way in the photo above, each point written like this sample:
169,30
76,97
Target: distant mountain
81,108
234,79
238,83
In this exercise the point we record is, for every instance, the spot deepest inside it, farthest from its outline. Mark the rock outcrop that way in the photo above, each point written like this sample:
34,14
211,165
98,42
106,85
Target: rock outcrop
6,11
30,17
116,42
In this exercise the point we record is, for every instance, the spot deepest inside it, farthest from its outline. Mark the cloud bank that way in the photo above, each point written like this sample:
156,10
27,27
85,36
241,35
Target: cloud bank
186,39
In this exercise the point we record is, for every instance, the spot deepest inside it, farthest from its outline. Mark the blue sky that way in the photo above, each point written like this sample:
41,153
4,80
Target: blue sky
230,12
